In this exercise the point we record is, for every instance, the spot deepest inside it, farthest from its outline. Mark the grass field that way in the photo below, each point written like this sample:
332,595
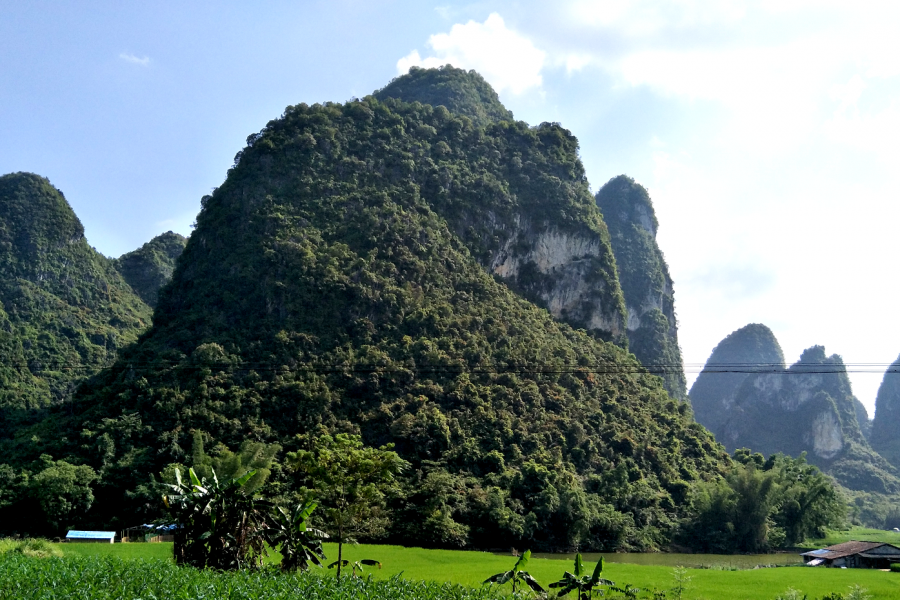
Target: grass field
471,568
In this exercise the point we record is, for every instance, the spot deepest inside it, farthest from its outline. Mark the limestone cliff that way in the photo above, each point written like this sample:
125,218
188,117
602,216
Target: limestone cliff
714,391
539,230
644,276
885,436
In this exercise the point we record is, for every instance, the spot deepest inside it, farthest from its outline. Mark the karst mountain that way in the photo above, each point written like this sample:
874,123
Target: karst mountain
420,269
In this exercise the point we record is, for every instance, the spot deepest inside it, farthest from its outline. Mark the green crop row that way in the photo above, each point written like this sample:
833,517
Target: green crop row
110,578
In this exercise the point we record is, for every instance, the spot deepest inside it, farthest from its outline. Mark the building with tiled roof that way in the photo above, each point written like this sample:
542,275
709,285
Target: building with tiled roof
854,555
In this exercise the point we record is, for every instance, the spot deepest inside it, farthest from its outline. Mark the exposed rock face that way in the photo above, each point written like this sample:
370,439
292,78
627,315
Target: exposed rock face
808,407
645,280
560,260
714,391
150,267
885,436
557,269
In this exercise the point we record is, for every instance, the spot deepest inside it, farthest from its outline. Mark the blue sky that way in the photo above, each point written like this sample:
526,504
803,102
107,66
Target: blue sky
767,132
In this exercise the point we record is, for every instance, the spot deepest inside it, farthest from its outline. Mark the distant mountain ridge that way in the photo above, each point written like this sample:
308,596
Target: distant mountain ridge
808,407
150,267
885,436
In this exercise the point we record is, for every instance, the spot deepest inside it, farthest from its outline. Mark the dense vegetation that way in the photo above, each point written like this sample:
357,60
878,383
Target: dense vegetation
324,289
763,504
151,266
64,310
646,284
463,93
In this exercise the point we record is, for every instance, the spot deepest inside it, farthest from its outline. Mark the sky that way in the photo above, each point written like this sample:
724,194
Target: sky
766,131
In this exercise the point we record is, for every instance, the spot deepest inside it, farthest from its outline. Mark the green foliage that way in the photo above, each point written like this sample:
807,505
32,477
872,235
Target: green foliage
298,543
150,267
218,524
113,579
31,547
350,481
582,583
644,276
252,456
461,92
337,281
762,505
64,310
516,576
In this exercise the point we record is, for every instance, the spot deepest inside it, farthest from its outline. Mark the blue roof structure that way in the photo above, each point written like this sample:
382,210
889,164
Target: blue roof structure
90,535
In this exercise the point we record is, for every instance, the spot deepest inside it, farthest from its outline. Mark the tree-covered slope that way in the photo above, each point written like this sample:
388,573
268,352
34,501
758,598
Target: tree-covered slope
524,208
150,267
64,310
752,347
325,288
461,92
644,277
885,436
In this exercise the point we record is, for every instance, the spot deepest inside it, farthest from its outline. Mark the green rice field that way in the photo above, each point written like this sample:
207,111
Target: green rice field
470,568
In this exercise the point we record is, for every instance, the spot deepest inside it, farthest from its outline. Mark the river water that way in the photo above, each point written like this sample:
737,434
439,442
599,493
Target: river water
724,561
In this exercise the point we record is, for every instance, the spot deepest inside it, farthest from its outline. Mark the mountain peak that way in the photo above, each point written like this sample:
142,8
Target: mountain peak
461,92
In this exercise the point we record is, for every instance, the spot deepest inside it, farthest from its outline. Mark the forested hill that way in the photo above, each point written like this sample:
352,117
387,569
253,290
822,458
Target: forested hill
150,267
522,207
646,283
326,287
64,309
461,92
808,407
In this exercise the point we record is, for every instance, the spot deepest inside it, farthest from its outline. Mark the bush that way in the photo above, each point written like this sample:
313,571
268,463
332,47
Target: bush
34,548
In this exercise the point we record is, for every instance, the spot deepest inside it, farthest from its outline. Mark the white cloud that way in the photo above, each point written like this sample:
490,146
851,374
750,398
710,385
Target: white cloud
143,61
507,59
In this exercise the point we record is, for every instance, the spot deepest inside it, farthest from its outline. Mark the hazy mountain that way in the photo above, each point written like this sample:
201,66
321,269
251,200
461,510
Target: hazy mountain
749,400
150,267
752,347
885,436
645,280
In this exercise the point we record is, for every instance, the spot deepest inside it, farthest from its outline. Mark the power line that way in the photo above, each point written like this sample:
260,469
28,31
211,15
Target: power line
496,368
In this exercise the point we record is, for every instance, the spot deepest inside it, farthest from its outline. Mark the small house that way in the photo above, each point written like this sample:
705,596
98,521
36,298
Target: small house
854,555
103,537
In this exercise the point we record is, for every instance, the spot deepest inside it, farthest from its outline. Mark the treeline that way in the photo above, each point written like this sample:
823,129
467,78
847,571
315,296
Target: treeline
759,505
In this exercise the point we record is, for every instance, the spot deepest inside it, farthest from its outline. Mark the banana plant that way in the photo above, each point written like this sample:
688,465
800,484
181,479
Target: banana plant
516,575
580,582
219,524
355,565
298,543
